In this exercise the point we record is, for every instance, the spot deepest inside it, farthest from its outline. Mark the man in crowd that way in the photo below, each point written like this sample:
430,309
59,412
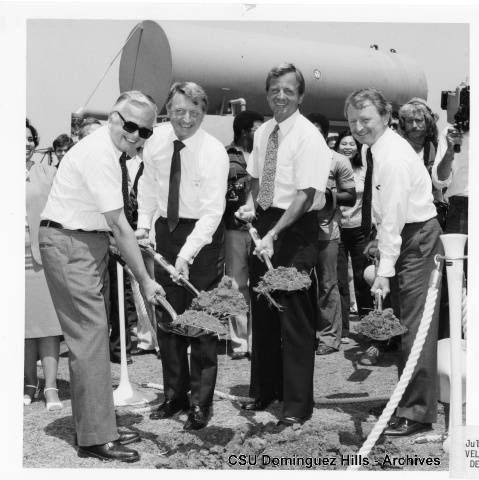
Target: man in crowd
86,204
340,191
289,167
61,145
185,179
407,240
237,238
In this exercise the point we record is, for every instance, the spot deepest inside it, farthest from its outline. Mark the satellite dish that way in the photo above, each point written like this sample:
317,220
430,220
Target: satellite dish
146,63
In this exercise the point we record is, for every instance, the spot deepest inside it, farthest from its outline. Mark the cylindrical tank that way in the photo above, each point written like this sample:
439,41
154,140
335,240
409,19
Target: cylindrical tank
229,65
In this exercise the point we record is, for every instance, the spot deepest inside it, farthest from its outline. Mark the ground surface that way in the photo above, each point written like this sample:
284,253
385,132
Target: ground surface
335,430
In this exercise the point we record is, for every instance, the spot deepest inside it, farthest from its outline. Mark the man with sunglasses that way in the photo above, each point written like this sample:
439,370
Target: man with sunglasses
85,205
184,180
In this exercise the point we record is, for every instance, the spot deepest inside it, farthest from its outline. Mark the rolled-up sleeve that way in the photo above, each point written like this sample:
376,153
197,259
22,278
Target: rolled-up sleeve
212,196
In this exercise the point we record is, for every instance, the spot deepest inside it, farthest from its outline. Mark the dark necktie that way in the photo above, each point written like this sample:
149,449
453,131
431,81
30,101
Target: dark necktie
266,191
133,197
172,212
367,196
124,187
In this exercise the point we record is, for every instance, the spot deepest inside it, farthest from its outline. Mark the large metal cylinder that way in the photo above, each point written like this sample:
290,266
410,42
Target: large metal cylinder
231,65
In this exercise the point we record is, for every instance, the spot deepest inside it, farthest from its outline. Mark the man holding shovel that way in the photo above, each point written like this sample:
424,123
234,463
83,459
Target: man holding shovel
289,167
407,240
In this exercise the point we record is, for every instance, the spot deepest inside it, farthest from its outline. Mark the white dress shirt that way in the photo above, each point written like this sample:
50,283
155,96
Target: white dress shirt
204,175
87,184
303,159
132,166
457,182
402,193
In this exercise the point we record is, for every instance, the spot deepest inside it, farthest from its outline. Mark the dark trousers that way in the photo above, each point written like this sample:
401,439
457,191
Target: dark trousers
75,266
282,363
353,242
420,243
113,313
329,317
205,274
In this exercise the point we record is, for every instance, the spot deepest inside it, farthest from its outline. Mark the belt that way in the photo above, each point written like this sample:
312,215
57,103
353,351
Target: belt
52,224
181,220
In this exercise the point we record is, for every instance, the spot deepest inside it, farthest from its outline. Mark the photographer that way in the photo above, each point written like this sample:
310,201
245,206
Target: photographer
451,166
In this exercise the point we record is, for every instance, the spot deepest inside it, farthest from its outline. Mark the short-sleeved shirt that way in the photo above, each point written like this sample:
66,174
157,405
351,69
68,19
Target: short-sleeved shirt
340,178
303,159
87,184
351,216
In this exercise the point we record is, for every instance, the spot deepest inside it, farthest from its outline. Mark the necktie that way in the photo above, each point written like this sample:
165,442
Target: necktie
367,196
266,191
124,187
133,197
172,212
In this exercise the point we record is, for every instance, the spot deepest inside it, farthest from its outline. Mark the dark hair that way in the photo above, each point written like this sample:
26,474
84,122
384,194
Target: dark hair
321,120
359,98
62,140
414,105
281,70
355,160
34,132
191,90
244,121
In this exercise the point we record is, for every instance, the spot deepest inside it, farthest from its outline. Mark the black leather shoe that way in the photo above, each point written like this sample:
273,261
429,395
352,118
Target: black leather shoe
197,418
239,355
113,359
141,351
289,421
257,404
325,349
110,451
402,427
168,408
125,438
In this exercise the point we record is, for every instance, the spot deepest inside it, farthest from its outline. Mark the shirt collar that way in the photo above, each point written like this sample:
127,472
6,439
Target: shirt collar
286,125
118,153
191,143
382,140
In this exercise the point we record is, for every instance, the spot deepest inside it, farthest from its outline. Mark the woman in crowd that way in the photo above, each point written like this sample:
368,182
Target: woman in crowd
353,240
42,329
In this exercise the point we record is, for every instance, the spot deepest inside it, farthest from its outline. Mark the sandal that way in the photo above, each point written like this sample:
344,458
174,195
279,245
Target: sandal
370,356
55,405
28,399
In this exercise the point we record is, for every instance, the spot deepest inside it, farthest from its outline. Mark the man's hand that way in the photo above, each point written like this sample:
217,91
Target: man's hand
372,251
142,233
453,137
381,283
265,246
151,290
182,268
245,213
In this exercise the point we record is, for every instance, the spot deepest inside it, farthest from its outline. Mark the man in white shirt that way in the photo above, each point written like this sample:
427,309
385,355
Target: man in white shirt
184,183
407,239
289,167
86,204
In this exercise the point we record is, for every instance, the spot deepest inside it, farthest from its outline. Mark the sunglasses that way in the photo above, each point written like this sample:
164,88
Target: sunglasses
132,127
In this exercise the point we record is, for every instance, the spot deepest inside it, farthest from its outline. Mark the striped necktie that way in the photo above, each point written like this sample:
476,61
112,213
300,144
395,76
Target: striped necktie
266,191
124,188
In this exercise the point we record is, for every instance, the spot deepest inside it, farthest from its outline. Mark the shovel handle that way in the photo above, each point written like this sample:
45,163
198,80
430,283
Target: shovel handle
378,300
256,239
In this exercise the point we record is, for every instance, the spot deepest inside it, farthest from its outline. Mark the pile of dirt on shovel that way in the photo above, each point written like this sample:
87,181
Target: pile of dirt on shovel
286,279
198,320
225,300
380,325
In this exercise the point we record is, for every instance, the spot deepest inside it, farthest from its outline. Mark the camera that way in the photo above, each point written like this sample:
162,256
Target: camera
457,105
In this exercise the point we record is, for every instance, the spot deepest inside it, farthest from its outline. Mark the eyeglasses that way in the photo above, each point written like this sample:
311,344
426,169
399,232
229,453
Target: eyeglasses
132,127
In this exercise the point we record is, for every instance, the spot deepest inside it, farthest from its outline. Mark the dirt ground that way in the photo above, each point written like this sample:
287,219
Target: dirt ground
328,440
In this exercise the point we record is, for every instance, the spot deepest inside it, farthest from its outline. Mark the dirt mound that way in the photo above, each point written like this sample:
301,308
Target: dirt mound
189,322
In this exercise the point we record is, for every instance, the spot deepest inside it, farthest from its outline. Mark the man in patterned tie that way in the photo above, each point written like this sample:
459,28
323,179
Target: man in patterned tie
184,180
289,167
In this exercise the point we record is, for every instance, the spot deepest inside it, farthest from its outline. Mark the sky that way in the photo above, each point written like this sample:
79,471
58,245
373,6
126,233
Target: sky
54,54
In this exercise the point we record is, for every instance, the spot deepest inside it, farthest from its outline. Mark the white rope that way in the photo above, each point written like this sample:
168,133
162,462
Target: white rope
405,376
464,312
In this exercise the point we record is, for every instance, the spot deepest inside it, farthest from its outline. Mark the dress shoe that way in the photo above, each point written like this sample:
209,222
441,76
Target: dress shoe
168,408
257,404
141,351
197,418
289,421
110,451
125,438
239,355
402,427
325,349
